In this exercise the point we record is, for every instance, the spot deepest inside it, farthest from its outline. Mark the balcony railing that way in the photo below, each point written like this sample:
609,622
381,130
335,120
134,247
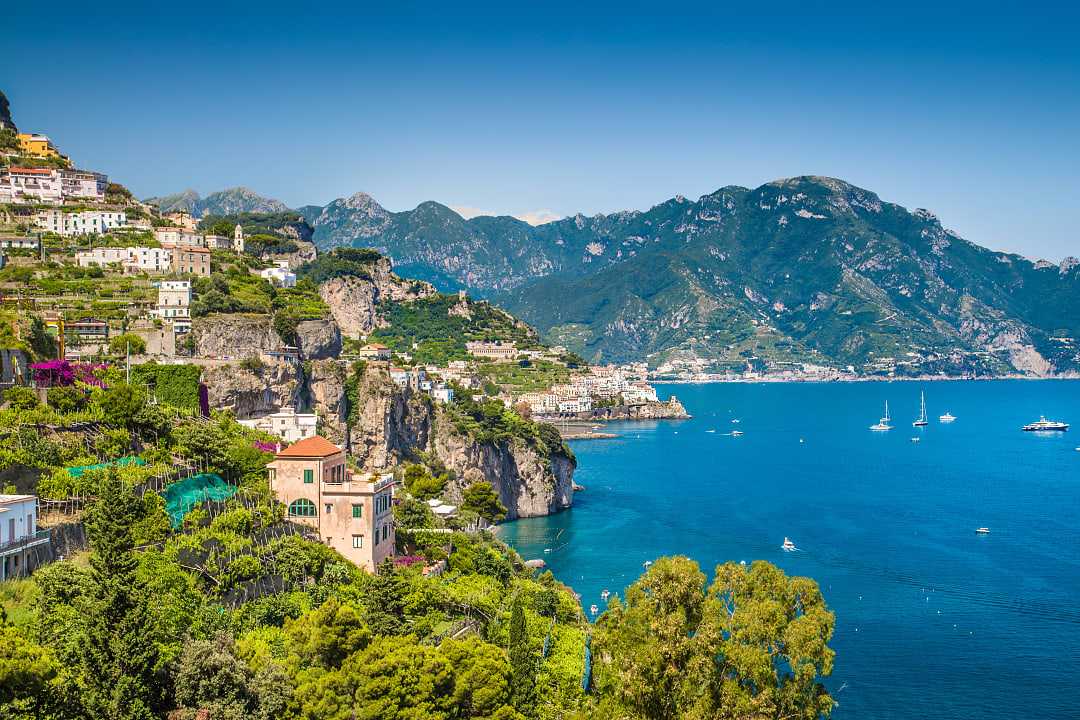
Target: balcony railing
38,538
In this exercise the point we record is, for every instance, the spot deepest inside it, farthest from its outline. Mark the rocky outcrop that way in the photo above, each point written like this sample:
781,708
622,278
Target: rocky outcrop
528,484
305,251
233,336
253,387
318,339
324,394
672,409
391,424
354,300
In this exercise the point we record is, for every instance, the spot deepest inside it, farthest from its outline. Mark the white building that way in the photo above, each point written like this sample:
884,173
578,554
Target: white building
87,222
218,242
83,185
492,350
443,394
541,403
639,394
174,303
49,185
19,535
133,259
280,274
575,405
286,423
22,185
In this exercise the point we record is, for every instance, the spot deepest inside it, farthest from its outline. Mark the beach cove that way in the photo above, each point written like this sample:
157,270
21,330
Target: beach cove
932,620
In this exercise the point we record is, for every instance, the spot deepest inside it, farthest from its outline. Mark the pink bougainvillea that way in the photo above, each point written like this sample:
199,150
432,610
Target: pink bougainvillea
265,446
61,373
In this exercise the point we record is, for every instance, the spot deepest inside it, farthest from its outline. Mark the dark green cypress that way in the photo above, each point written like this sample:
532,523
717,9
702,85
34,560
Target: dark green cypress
522,661
118,670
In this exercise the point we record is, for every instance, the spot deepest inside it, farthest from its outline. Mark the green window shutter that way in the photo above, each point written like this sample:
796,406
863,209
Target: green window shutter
358,511
309,476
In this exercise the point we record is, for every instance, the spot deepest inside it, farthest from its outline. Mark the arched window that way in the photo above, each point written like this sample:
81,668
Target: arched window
302,508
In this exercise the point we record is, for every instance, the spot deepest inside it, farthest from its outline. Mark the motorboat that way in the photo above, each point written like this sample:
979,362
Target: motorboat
788,546
947,418
922,412
883,423
982,531
593,609
1044,425
736,433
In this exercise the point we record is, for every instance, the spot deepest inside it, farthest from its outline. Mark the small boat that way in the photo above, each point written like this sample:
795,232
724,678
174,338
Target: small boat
915,439
982,531
646,564
788,546
605,595
1044,425
947,418
735,420
736,433
922,412
593,609
883,423
710,431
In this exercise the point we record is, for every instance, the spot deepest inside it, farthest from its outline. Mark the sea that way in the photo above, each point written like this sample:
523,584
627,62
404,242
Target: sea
932,619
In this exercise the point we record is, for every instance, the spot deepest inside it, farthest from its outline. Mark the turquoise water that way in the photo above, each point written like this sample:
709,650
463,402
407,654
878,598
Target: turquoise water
932,620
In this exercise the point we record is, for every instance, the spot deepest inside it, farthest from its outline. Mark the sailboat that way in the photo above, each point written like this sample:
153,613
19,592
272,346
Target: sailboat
922,412
883,423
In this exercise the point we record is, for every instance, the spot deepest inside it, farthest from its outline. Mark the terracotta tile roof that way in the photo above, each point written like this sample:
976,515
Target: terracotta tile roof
314,446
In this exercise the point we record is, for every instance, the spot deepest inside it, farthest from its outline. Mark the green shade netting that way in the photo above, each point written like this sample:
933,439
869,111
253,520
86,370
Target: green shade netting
182,496
119,462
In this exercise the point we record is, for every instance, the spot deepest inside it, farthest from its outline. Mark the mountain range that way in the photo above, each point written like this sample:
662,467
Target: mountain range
801,270
225,202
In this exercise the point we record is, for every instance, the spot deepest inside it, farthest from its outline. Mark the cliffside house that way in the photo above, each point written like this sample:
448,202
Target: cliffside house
374,351
279,275
286,423
38,145
174,303
182,219
189,260
20,538
179,236
351,512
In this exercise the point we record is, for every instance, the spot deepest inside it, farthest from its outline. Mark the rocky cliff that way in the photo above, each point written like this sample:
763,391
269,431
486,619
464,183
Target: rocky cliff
233,336
318,339
354,300
249,389
672,409
389,424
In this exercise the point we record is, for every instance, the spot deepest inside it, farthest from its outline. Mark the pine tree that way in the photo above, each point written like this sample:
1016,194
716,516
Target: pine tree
121,651
522,662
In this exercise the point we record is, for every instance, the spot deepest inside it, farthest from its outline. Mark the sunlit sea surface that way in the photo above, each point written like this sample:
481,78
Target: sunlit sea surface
932,620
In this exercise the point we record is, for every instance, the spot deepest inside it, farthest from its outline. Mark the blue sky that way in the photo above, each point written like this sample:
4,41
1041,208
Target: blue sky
970,110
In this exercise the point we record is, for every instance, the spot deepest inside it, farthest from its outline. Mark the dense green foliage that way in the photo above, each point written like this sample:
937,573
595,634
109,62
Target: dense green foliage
491,421
439,335
340,262
752,644
175,385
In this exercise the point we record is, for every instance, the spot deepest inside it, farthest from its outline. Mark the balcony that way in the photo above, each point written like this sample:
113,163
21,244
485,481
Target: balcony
41,537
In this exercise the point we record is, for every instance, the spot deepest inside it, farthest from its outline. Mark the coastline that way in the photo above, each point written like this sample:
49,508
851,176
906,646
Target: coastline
858,379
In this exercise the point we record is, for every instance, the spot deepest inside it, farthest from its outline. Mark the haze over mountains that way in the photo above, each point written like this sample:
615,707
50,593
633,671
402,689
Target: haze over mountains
807,269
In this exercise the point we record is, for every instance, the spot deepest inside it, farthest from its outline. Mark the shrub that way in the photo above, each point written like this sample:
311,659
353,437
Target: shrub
21,398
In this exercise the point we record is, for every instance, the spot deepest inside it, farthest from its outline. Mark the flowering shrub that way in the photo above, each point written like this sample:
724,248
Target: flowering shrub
61,373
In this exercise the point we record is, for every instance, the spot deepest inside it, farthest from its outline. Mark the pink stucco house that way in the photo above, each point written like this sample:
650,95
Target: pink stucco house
350,511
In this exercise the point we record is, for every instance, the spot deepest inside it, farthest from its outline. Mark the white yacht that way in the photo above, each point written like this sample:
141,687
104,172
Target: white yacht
1044,425
982,531
883,423
788,546
922,412
947,417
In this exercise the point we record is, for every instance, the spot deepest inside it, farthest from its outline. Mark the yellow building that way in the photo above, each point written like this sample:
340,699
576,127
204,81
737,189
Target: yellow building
39,145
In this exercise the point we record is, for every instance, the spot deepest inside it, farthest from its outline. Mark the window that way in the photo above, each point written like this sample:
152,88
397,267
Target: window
327,509
386,531
358,541
309,476
376,536
358,511
302,508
